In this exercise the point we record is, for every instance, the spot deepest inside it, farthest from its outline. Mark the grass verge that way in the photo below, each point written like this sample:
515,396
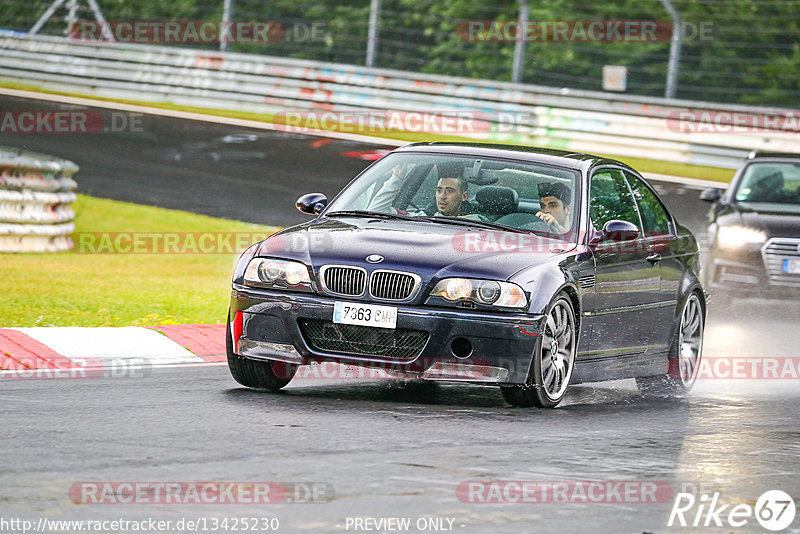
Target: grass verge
114,288
640,164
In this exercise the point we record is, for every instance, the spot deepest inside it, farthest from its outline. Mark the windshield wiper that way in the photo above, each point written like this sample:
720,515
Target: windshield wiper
474,222
371,214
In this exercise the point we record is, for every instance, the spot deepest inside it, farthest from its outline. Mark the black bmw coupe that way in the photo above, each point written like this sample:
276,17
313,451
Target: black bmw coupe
531,269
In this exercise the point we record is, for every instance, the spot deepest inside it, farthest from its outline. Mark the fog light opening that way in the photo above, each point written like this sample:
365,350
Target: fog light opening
461,347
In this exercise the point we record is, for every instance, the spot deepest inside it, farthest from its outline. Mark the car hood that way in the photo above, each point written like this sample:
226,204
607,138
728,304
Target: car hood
432,250
776,222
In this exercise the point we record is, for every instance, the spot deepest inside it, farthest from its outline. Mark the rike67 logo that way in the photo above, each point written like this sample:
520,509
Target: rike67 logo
774,510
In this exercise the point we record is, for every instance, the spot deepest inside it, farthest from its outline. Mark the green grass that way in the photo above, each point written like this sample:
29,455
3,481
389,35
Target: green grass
640,164
80,288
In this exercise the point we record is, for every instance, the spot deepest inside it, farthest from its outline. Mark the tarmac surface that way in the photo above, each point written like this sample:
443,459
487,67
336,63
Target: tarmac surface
380,449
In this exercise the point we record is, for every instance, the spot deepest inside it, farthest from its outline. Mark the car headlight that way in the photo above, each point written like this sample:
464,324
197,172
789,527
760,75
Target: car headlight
737,236
487,292
277,274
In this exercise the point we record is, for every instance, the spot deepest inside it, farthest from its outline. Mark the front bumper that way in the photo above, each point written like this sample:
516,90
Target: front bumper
751,269
502,344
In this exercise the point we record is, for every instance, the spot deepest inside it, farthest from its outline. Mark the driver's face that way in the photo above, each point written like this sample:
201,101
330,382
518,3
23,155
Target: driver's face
449,196
555,207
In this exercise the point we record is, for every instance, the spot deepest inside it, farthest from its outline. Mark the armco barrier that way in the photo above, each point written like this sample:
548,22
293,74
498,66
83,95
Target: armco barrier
35,194
559,118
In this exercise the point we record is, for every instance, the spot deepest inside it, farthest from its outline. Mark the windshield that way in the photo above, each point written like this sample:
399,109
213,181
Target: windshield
522,196
770,183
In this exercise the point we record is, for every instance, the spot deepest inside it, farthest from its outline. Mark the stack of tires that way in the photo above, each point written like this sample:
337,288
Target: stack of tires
35,196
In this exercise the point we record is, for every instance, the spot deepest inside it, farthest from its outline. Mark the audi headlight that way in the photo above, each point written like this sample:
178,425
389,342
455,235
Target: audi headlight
486,292
737,236
277,274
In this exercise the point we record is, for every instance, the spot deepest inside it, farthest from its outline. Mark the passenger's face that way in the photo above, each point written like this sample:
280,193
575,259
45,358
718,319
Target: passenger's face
555,207
449,196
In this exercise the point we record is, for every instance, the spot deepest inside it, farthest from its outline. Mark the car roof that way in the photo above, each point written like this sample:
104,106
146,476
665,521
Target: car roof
562,158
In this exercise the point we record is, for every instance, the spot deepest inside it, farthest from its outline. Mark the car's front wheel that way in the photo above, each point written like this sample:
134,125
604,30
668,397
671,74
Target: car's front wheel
553,360
263,375
685,354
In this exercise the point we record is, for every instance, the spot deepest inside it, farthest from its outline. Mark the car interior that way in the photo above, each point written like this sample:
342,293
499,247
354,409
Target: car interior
503,194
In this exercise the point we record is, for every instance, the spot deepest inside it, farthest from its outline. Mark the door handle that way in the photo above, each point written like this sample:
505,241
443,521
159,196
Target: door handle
654,257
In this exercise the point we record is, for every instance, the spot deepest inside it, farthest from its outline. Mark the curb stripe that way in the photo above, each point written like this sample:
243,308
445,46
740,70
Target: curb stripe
20,351
205,340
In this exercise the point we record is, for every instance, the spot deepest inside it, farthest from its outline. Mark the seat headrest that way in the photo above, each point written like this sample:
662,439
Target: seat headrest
498,200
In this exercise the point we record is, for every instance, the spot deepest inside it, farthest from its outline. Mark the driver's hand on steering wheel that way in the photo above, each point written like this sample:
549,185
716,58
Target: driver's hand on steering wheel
551,221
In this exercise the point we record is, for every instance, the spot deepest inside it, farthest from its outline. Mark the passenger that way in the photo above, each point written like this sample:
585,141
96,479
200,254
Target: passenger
555,202
452,192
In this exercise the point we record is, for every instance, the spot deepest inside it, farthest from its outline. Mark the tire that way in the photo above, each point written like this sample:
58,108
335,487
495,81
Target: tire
553,360
685,354
261,375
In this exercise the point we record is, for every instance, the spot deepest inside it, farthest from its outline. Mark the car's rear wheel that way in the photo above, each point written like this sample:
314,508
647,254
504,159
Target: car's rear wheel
685,354
553,360
263,375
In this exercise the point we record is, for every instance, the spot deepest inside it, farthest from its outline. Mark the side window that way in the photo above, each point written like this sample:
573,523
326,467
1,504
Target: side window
610,199
654,215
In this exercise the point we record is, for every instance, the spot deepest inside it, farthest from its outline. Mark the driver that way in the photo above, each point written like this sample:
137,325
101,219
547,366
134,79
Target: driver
555,201
452,190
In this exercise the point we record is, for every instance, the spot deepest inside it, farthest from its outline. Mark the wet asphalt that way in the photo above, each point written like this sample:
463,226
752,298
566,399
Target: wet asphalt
381,449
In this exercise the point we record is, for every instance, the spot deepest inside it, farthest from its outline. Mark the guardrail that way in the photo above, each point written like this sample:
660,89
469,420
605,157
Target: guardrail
543,116
35,194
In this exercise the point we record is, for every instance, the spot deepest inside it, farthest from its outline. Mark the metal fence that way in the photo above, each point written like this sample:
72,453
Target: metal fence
502,112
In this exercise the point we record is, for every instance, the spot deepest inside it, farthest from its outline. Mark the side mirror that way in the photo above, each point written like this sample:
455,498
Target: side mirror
312,203
616,230
712,194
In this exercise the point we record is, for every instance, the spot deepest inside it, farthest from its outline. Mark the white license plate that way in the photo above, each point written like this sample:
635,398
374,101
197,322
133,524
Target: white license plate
365,314
791,266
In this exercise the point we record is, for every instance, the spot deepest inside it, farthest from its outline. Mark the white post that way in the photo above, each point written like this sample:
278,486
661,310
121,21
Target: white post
372,37
226,20
674,49
519,46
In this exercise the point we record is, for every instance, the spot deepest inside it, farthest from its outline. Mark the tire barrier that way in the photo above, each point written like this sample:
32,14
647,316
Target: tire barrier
681,131
35,196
